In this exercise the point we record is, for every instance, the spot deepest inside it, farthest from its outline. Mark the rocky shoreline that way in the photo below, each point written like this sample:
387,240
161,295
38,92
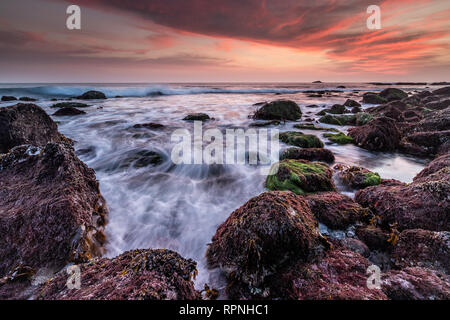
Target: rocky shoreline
52,214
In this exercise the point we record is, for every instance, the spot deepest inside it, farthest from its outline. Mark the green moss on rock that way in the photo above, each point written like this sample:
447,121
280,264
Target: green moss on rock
371,179
339,138
301,140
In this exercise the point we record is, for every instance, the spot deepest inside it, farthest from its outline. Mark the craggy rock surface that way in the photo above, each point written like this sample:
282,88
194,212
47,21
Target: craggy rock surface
336,210
357,177
262,235
310,154
278,110
375,238
51,209
380,134
26,124
300,176
440,163
299,139
423,248
134,275
415,284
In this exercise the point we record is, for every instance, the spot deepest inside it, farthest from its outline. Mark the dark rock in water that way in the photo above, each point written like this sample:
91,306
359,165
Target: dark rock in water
197,117
26,124
262,235
356,245
356,110
132,159
300,176
445,91
260,103
27,99
92,95
134,275
299,139
279,110
150,125
265,123
357,177
339,120
380,134
69,105
337,109
68,112
352,103
423,248
339,138
415,283
51,211
363,117
311,126
8,98
423,204
373,98
374,237
339,275
312,106
314,96
335,210
341,87
317,81
310,154
391,94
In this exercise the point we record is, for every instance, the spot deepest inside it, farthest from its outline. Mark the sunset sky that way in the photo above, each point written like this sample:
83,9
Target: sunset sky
224,40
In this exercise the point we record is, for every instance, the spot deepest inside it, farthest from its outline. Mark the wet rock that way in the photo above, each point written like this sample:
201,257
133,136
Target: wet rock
423,248
356,110
339,120
310,154
417,205
68,112
149,125
26,124
442,162
380,134
363,117
51,211
197,117
92,95
300,176
352,103
337,109
374,237
311,126
69,105
279,110
373,98
428,142
8,98
265,123
262,235
299,139
435,121
134,275
442,91
356,245
438,105
415,284
336,210
339,138
312,106
27,99
391,94
357,177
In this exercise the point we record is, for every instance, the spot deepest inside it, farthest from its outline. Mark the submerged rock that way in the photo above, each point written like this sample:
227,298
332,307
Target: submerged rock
197,117
299,139
68,112
69,105
279,110
300,176
134,275
357,177
27,99
51,211
262,235
310,154
335,210
380,134
149,125
92,95
26,124
8,98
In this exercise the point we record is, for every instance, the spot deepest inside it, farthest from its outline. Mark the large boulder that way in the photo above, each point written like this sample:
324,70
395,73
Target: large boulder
26,124
415,283
51,209
380,134
336,210
262,235
300,176
92,95
438,164
352,103
279,110
357,177
423,248
310,154
373,98
299,139
134,275
442,91
391,94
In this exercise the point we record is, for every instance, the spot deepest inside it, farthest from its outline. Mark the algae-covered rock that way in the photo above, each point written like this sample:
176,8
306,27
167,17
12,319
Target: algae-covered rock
279,110
300,176
363,117
310,154
373,98
391,94
357,177
339,138
380,134
338,120
299,139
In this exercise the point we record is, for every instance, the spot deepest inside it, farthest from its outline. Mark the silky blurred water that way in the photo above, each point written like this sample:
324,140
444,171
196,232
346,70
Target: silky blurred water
179,207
